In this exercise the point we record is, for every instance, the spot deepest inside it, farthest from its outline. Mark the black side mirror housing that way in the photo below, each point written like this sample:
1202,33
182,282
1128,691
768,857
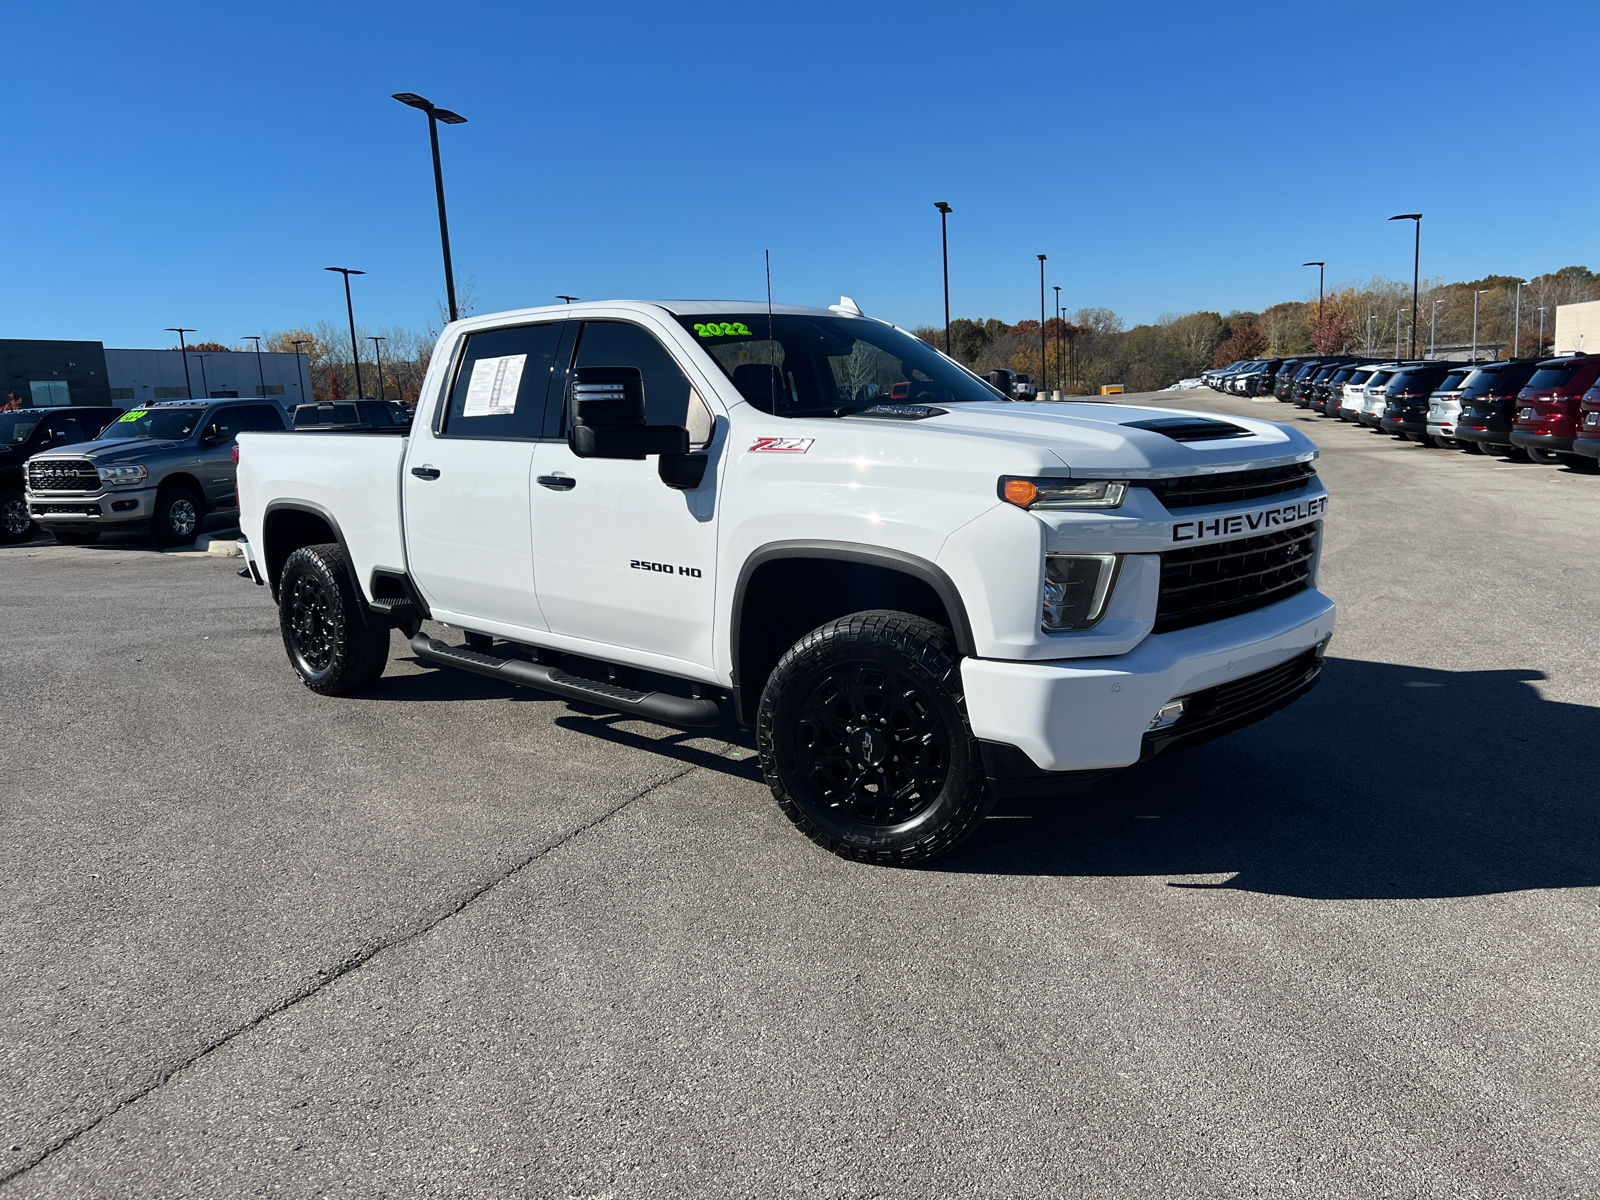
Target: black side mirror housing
608,417
682,471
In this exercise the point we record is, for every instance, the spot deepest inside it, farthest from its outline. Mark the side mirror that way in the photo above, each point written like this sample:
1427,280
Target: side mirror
608,417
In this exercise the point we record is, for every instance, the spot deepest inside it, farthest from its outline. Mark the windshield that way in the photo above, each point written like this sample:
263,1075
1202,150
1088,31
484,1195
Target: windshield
828,366
18,427
162,424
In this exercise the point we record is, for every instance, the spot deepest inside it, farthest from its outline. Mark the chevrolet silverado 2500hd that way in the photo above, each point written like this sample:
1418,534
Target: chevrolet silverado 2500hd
920,592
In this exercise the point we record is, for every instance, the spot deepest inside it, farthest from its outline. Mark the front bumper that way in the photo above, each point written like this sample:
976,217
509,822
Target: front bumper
104,509
1541,441
1093,714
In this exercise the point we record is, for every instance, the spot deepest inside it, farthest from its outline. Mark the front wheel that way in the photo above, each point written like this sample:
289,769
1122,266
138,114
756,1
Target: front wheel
177,517
331,646
15,522
864,740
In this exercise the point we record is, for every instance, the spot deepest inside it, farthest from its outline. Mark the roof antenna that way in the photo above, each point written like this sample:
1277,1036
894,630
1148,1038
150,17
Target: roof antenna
775,368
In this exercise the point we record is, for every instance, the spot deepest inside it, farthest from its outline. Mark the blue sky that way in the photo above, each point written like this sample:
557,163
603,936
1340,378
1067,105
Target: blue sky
199,165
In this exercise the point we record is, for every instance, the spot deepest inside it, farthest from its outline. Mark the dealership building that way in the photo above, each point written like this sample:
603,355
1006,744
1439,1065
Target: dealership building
48,374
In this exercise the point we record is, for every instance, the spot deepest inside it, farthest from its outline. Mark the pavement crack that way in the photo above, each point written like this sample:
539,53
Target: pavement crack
352,962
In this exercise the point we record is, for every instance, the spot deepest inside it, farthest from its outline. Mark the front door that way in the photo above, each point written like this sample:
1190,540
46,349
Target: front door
469,547
214,458
621,558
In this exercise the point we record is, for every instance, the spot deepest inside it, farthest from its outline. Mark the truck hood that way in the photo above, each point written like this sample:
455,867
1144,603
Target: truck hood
113,450
1103,440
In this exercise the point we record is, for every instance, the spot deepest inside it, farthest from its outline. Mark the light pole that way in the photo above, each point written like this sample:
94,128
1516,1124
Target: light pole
260,374
187,386
1398,313
1057,289
435,115
1516,333
306,399
944,241
1044,372
1321,269
1369,331
1433,328
1540,348
1475,296
377,350
568,299
355,348
1416,261
204,386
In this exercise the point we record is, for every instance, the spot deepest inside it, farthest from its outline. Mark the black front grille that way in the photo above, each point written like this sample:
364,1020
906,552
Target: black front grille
1237,703
63,475
1231,487
1224,579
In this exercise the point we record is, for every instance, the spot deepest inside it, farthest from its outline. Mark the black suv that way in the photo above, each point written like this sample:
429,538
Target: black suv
1489,404
25,432
1405,407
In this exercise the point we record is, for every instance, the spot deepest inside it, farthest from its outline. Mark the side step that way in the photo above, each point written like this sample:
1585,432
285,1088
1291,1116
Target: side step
655,706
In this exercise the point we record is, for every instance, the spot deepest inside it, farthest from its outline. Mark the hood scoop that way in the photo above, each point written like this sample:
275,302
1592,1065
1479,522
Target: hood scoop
901,412
1190,429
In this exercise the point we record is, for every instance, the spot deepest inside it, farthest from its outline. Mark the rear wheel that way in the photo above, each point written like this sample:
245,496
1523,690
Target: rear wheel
1547,458
177,517
15,523
1423,439
330,643
864,740
75,537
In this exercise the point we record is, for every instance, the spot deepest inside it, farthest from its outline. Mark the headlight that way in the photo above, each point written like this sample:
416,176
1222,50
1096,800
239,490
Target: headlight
116,475
1062,493
1075,589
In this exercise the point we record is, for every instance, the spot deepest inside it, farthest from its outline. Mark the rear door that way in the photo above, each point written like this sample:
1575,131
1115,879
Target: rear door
469,546
621,558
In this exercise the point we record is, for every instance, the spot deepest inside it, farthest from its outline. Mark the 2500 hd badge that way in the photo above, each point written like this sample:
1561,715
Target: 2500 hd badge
1286,514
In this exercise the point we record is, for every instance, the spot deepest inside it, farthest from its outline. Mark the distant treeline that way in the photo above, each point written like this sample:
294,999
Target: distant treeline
1092,348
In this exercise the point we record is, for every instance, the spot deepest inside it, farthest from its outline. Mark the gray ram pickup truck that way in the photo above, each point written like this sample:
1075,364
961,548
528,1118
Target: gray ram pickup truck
161,468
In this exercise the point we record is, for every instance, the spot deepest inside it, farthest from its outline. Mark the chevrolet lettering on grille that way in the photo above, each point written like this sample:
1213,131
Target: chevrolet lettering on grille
1242,523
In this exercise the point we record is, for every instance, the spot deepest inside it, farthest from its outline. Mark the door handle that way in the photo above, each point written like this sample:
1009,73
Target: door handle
558,483
425,472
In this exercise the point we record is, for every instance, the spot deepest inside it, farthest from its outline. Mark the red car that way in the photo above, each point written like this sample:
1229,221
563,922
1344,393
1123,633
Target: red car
1547,420
1588,440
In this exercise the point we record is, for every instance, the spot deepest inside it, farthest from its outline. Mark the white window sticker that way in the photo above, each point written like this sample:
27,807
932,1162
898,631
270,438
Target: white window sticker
492,391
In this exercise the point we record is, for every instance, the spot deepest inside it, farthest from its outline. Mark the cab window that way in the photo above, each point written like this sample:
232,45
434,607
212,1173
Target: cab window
666,387
501,381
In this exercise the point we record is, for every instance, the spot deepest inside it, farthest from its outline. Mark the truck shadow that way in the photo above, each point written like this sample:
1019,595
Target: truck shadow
1386,782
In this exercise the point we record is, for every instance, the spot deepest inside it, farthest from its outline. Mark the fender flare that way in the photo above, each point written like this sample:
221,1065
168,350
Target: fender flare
314,509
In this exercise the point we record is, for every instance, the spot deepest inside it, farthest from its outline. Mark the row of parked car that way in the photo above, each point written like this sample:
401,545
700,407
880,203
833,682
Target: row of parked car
1542,410
68,469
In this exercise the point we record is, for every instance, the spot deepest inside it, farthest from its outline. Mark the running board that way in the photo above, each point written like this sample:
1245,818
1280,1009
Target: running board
655,706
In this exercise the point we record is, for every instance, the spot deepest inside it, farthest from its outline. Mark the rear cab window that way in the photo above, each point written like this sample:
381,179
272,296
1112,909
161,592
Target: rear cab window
501,381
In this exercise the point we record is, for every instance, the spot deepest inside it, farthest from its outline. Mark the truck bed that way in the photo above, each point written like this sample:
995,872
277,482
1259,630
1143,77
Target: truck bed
351,477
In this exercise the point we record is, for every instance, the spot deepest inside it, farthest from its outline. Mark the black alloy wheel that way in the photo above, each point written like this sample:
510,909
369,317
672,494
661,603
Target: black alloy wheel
864,740
331,645
15,522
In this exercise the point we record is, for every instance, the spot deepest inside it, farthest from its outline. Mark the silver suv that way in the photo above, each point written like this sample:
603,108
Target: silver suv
163,468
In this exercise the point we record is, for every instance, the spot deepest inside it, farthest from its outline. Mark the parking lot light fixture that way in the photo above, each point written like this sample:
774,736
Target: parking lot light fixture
1433,328
1398,313
1475,296
204,386
435,115
1516,329
1321,267
182,345
377,350
944,241
1056,287
1416,260
355,347
1540,348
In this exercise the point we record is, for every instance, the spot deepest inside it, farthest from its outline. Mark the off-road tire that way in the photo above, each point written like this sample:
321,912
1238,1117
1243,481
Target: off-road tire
177,517
75,537
331,645
16,524
938,792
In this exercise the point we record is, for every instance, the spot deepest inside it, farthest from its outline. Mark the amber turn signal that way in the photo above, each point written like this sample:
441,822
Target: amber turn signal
1021,492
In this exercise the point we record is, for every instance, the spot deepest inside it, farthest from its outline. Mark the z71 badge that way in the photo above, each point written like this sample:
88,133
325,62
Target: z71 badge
783,445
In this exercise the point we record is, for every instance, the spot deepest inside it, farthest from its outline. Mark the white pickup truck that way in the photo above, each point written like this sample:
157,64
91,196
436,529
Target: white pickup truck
921,593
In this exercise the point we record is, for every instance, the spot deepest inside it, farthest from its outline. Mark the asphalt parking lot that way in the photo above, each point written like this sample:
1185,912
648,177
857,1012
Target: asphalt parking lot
455,939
